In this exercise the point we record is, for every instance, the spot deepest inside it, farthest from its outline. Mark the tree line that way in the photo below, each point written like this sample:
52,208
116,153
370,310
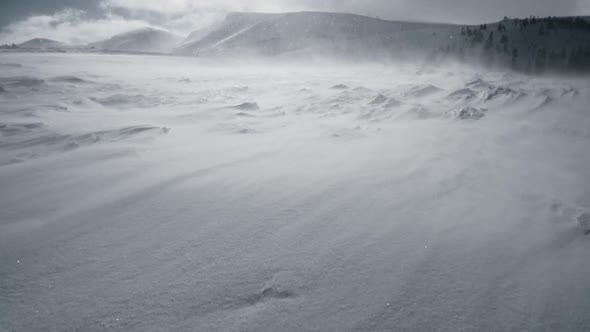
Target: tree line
492,44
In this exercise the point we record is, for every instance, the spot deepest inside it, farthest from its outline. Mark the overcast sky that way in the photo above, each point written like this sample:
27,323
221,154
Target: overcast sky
80,20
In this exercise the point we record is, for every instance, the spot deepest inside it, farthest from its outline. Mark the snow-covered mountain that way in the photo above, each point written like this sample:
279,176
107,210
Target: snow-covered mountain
42,43
319,33
532,44
148,40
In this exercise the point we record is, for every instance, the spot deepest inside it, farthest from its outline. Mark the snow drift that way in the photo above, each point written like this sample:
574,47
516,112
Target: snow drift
172,193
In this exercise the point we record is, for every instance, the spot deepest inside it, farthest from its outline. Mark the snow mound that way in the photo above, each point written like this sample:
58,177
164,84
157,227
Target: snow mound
478,84
461,95
10,129
11,65
21,82
245,114
349,133
69,79
542,102
247,107
570,93
423,91
37,110
378,100
391,103
361,89
375,114
502,94
340,87
129,101
269,294
35,140
415,111
467,113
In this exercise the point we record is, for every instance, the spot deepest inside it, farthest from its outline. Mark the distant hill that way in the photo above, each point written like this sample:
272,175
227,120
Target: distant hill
41,43
342,35
147,40
534,44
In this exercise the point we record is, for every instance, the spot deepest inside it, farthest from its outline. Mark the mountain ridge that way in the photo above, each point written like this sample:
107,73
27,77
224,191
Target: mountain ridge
147,40
41,43
531,44
534,45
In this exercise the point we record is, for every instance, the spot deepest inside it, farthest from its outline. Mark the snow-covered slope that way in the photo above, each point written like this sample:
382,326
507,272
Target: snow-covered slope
42,44
233,25
341,35
533,45
179,194
147,40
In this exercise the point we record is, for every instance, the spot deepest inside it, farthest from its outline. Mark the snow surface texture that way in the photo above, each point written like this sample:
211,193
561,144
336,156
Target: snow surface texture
161,193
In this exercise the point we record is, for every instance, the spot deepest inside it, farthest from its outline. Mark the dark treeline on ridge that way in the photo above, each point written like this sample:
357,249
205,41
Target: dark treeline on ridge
533,45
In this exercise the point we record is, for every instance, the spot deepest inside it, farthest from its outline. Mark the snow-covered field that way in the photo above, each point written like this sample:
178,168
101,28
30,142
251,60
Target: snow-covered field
167,193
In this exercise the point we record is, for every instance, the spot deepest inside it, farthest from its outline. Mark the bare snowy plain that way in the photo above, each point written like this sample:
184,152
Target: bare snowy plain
146,193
